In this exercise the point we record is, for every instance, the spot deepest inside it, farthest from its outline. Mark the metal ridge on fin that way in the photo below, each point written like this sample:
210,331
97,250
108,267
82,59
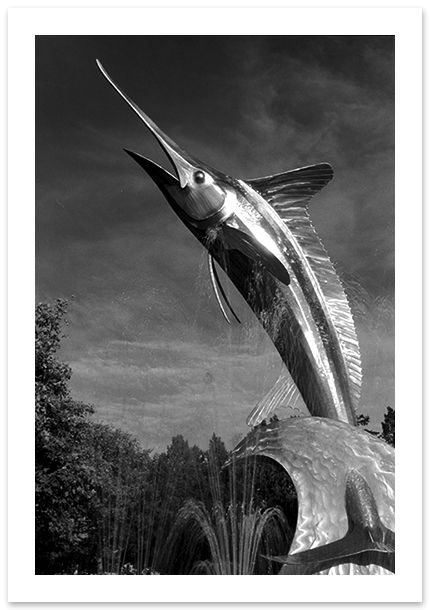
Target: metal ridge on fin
294,186
283,391
297,219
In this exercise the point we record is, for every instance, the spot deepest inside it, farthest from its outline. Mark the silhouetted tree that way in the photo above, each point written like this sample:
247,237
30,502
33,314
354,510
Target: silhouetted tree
88,475
63,487
388,427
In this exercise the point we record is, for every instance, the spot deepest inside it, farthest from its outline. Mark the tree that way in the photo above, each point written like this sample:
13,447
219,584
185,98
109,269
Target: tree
52,376
181,471
89,476
62,486
363,420
120,474
388,427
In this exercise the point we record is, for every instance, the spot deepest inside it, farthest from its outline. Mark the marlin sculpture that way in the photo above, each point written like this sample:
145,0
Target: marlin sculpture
260,233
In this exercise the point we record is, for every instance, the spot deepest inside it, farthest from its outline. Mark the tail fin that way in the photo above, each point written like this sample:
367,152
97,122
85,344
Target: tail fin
366,537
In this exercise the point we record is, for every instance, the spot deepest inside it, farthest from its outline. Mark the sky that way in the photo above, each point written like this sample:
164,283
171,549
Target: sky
146,341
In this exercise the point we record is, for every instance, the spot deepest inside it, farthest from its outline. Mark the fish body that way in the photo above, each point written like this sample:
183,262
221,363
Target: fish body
260,233
344,478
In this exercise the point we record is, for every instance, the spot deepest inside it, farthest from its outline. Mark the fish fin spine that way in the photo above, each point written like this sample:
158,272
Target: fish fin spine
219,290
284,390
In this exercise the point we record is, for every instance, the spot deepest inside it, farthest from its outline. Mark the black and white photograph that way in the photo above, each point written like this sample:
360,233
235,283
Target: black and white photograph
215,320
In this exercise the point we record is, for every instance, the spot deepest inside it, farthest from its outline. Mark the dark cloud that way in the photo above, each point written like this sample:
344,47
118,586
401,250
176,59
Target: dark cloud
249,106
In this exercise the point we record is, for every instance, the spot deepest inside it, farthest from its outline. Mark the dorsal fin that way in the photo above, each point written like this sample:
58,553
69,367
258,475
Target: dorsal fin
216,285
289,194
293,187
283,393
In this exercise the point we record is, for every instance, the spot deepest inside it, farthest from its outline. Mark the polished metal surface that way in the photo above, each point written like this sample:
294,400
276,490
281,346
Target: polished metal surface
319,454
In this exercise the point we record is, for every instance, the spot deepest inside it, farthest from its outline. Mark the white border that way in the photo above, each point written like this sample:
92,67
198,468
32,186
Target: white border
24,24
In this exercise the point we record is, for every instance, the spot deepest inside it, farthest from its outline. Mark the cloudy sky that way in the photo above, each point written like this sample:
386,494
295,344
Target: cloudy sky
146,342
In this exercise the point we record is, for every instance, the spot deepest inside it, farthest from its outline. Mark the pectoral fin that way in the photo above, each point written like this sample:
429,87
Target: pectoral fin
219,290
254,248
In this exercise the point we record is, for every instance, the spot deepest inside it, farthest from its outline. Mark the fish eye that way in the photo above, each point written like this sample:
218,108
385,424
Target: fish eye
199,176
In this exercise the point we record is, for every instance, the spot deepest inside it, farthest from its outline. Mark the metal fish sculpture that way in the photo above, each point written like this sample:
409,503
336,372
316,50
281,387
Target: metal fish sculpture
344,479
260,233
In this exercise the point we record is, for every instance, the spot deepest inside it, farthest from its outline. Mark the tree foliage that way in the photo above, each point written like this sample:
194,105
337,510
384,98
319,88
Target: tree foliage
388,426
62,486
86,474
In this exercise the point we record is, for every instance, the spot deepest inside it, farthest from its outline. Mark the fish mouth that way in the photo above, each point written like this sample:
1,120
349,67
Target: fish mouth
201,192
183,164
159,175
205,206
